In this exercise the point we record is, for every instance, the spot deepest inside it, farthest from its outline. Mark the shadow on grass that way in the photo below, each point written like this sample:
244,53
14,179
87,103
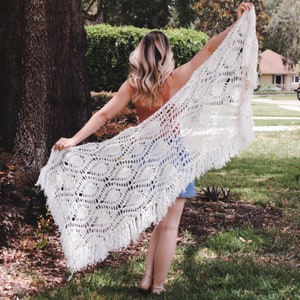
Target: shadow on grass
210,271
207,280
243,278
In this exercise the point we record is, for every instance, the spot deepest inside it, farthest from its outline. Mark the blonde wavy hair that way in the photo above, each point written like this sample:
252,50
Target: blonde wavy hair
151,63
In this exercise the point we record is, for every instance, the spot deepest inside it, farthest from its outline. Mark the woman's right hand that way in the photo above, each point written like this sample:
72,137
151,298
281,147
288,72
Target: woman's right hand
64,143
242,8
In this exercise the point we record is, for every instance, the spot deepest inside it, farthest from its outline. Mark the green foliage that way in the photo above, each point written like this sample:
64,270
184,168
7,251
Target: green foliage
109,48
271,6
215,16
100,99
107,55
143,14
138,13
185,43
184,13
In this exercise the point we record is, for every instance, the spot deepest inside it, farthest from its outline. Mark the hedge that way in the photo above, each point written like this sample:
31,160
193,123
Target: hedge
108,49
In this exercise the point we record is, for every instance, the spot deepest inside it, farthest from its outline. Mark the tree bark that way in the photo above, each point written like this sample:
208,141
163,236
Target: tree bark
44,92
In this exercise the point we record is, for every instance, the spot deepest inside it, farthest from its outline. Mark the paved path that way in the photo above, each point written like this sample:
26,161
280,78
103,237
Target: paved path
286,104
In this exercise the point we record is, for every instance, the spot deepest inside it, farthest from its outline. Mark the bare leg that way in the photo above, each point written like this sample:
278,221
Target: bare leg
167,241
162,247
147,279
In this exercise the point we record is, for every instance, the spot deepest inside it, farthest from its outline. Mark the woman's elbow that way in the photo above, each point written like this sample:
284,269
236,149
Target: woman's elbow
102,117
209,48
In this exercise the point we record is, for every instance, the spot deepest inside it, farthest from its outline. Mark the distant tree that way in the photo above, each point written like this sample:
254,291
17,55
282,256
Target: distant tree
43,87
139,13
214,16
149,14
184,13
283,32
271,6
95,11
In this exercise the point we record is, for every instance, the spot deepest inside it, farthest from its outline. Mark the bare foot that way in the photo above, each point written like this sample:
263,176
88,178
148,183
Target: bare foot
145,284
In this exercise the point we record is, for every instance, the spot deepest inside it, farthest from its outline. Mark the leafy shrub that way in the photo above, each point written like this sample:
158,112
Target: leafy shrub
100,99
109,47
268,88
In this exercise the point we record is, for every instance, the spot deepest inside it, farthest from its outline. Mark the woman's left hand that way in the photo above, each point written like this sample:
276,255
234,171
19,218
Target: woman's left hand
242,8
63,144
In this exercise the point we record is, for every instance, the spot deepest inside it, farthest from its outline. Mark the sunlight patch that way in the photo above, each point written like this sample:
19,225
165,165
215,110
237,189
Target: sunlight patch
204,254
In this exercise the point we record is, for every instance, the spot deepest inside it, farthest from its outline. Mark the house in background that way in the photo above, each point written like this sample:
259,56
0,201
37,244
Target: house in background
272,71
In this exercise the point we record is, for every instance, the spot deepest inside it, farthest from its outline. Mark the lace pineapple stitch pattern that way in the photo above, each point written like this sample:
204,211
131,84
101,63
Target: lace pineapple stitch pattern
103,195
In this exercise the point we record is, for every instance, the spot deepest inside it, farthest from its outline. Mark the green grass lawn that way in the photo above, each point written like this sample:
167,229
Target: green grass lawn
238,262
276,96
277,122
268,171
268,109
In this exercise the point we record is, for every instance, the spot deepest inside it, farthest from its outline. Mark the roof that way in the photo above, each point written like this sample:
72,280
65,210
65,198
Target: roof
271,63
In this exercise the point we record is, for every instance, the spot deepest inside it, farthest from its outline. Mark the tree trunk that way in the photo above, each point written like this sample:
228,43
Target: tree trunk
43,82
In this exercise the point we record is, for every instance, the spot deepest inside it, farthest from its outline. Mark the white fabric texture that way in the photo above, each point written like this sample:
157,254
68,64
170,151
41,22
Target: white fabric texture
103,195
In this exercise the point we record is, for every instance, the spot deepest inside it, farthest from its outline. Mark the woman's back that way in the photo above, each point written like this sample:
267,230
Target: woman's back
143,111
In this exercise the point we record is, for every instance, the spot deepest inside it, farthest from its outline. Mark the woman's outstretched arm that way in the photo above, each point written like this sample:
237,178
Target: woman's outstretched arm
182,74
102,116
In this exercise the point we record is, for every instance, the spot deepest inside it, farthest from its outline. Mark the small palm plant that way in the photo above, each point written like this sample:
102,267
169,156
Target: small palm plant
215,194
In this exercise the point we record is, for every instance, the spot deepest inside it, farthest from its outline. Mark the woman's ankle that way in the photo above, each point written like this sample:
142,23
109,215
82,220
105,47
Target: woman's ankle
146,281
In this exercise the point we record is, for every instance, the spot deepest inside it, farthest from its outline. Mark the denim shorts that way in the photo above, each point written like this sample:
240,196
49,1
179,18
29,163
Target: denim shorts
184,157
189,191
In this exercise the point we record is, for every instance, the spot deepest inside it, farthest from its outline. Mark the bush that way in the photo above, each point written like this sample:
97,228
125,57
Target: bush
100,99
268,88
109,47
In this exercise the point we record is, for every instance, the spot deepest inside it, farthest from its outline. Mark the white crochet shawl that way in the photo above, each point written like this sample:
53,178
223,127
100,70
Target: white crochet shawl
103,195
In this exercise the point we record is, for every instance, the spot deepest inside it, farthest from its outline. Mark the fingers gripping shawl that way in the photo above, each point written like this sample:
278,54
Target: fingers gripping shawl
103,195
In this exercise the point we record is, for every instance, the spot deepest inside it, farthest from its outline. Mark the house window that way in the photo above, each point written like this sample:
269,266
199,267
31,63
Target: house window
295,79
278,79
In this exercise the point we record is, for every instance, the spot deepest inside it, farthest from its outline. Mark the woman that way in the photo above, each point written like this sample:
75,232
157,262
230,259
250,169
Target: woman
151,82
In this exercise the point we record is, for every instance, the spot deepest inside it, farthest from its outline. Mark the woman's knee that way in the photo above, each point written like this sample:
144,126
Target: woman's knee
172,219
169,223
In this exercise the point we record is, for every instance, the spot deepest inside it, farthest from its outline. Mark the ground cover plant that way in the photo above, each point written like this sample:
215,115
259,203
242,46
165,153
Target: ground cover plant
242,246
